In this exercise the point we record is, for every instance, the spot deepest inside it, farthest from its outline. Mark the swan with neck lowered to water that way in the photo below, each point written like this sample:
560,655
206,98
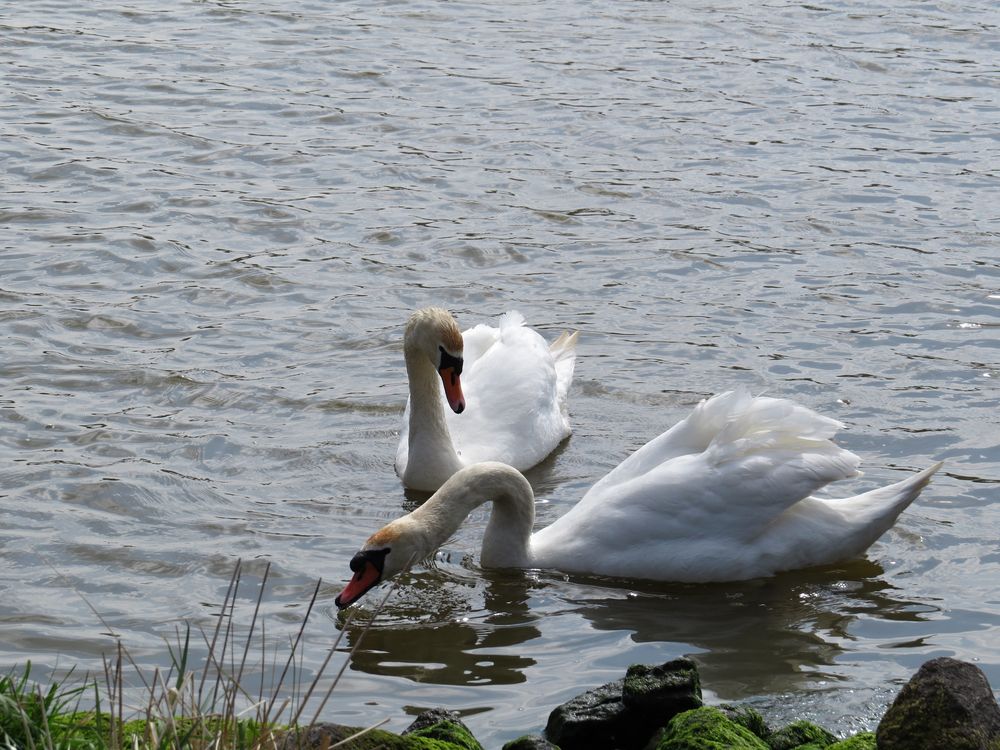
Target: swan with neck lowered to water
724,495
506,388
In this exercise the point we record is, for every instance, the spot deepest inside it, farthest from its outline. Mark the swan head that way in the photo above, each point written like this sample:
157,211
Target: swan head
417,535
387,553
433,332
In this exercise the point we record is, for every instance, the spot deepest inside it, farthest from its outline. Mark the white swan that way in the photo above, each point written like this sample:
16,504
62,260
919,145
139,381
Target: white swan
514,383
723,495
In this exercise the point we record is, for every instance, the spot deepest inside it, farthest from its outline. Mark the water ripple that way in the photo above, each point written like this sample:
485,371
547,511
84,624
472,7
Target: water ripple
216,220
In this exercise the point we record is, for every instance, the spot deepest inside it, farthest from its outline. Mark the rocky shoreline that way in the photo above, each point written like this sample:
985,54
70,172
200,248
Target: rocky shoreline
946,705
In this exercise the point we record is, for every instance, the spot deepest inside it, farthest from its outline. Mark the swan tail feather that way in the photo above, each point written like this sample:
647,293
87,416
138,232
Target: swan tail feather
880,507
767,448
563,351
565,345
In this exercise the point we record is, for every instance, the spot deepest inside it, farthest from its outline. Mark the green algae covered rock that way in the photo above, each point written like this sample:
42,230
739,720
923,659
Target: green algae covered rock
453,733
664,690
801,735
445,726
708,728
863,741
748,718
324,735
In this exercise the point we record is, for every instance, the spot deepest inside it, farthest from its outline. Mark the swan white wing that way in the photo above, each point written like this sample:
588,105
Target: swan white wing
686,521
729,424
693,434
514,412
690,504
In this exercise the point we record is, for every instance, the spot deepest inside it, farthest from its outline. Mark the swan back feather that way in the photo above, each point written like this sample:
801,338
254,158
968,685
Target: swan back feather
723,495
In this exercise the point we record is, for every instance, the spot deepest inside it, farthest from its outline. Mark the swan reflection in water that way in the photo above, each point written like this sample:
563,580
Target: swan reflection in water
764,636
451,643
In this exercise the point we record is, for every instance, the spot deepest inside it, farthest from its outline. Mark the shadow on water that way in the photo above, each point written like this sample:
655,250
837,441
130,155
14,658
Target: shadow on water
762,636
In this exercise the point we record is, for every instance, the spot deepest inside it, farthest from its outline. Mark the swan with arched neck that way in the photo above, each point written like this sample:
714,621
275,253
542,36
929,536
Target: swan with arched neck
492,393
726,494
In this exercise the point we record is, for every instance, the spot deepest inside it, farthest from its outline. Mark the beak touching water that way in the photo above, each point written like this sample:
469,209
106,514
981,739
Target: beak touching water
367,566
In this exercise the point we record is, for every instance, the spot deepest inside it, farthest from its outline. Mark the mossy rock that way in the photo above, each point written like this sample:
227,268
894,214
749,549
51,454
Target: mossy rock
863,741
454,733
664,690
748,718
708,728
801,735
325,735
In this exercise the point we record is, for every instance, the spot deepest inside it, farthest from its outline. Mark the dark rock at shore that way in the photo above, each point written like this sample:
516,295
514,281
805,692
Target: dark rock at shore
530,742
597,716
666,690
625,713
946,704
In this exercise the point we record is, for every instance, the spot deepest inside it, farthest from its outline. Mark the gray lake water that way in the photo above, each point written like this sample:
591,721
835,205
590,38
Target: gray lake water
216,217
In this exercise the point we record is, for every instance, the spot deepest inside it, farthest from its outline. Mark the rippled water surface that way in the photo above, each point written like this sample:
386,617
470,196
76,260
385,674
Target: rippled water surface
216,216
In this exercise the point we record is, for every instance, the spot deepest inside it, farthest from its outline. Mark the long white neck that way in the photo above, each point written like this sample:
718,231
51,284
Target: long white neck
431,456
506,539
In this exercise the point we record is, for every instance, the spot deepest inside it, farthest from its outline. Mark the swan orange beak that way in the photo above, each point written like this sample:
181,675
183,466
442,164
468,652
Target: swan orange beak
367,567
453,388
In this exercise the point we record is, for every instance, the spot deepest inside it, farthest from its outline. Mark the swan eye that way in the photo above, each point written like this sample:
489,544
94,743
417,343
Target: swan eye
450,360
374,556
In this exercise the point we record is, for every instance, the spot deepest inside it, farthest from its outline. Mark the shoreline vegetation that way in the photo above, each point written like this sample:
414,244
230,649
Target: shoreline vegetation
947,703
212,705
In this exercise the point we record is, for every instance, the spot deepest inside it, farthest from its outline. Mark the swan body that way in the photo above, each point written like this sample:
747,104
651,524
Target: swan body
725,494
514,383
